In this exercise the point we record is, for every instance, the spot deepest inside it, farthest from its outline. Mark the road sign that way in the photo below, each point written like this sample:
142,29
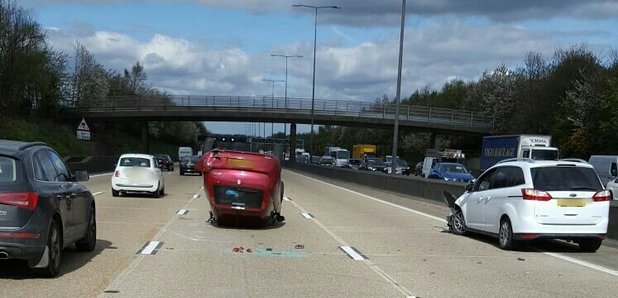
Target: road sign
83,131
83,125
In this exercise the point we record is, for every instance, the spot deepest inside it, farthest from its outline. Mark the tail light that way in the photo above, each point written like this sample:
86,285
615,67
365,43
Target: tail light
535,195
26,200
117,174
602,196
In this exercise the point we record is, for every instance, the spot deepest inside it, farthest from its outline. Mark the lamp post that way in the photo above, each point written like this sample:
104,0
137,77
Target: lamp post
315,34
272,103
397,97
286,84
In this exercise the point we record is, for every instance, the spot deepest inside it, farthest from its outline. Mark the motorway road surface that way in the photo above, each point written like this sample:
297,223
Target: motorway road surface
337,240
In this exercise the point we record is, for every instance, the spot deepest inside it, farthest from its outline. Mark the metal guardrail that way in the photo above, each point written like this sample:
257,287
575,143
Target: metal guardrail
298,106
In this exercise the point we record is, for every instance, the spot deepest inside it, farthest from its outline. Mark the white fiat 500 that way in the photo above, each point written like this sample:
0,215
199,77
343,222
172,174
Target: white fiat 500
526,199
138,173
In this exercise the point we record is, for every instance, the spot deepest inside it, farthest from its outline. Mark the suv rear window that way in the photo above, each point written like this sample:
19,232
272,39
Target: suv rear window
9,169
565,178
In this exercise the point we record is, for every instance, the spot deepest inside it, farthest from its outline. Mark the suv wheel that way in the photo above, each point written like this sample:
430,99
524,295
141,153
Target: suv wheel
54,251
505,235
589,244
458,223
115,193
90,239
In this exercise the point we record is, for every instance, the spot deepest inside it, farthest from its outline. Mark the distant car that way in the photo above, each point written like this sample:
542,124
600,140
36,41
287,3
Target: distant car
327,161
527,199
450,171
613,187
165,162
354,163
402,168
43,208
418,169
242,187
187,165
315,159
138,173
373,164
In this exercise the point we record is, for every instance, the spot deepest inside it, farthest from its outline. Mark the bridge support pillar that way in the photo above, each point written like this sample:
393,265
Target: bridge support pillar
293,142
145,137
433,141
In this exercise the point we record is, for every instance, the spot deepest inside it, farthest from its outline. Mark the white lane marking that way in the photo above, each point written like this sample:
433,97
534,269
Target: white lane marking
98,193
306,215
582,263
352,253
378,200
182,212
555,255
195,196
150,248
101,175
367,262
120,278
286,199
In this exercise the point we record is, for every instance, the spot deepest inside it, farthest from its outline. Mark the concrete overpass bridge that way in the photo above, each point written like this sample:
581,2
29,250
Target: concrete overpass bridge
281,110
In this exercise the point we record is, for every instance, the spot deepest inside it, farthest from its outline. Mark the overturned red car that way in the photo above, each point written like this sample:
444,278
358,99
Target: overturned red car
242,187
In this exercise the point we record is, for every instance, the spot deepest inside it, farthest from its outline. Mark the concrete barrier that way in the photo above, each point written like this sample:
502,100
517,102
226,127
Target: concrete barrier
414,186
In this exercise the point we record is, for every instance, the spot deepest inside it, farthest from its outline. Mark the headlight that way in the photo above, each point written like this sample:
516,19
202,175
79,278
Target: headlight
448,179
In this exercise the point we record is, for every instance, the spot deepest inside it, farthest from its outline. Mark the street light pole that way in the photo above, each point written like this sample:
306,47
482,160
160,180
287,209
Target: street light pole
286,84
315,34
397,97
272,105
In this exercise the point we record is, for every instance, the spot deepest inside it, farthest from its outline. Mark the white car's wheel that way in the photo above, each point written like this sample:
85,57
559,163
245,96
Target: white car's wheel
505,235
458,224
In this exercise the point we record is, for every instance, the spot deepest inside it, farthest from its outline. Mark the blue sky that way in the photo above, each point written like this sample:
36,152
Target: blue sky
220,47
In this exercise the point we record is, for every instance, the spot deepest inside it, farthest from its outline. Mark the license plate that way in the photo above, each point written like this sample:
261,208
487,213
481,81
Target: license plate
571,203
239,163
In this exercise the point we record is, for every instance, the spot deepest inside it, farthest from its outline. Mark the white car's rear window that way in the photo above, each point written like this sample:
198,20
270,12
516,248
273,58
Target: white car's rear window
563,178
135,162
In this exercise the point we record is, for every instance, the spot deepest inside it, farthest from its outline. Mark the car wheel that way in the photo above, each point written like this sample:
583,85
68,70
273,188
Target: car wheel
54,251
182,173
156,193
589,244
458,223
163,191
90,239
115,193
505,235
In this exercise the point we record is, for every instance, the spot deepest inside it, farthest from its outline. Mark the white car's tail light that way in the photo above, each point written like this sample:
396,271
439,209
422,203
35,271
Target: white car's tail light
117,173
601,196
535,195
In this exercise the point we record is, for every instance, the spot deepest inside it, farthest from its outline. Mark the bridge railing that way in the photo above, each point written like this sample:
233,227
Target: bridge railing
292,105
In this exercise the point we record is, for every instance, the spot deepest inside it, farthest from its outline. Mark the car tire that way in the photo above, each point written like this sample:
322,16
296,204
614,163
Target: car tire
163,191
505,235
458,223
182,173
115,193
156,193
54,253
89,241
589,244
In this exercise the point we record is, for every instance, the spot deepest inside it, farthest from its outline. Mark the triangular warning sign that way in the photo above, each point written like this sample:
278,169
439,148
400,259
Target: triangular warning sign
83,125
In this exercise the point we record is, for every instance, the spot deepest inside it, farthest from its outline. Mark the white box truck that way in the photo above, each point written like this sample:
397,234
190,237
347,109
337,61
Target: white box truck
497,148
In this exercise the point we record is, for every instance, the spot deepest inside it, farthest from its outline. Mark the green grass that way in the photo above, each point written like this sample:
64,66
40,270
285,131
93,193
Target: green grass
61,137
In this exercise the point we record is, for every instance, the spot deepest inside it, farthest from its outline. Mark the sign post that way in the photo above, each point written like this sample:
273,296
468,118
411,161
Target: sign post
83,131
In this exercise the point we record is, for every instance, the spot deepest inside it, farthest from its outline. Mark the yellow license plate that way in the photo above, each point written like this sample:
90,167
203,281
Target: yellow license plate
571,203
240,163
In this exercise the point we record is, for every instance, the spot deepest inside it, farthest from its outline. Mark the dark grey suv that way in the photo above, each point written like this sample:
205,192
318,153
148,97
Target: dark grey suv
42,207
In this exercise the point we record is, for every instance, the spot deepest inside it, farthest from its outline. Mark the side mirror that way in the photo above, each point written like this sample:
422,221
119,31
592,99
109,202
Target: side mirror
469,186
81,175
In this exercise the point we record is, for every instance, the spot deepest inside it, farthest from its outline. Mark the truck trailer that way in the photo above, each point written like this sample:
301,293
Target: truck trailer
497,148
359,151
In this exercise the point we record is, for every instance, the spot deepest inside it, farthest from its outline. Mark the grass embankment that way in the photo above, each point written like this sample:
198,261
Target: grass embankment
62,137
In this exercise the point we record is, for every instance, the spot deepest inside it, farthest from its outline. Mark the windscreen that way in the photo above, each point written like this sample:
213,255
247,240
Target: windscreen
375,162
135,162
565,178
343,155
9,168
402,163
454,168
355,162
544,154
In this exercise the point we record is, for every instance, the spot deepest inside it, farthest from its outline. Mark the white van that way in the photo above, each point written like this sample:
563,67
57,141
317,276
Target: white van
606,166
184,152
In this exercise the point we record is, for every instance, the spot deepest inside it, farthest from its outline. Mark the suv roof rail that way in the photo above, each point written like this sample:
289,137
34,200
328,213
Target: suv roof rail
25,146
574,160
517,159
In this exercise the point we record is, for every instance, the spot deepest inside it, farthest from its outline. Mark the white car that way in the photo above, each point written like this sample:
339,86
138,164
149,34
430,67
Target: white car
524,199
138,173
612,185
